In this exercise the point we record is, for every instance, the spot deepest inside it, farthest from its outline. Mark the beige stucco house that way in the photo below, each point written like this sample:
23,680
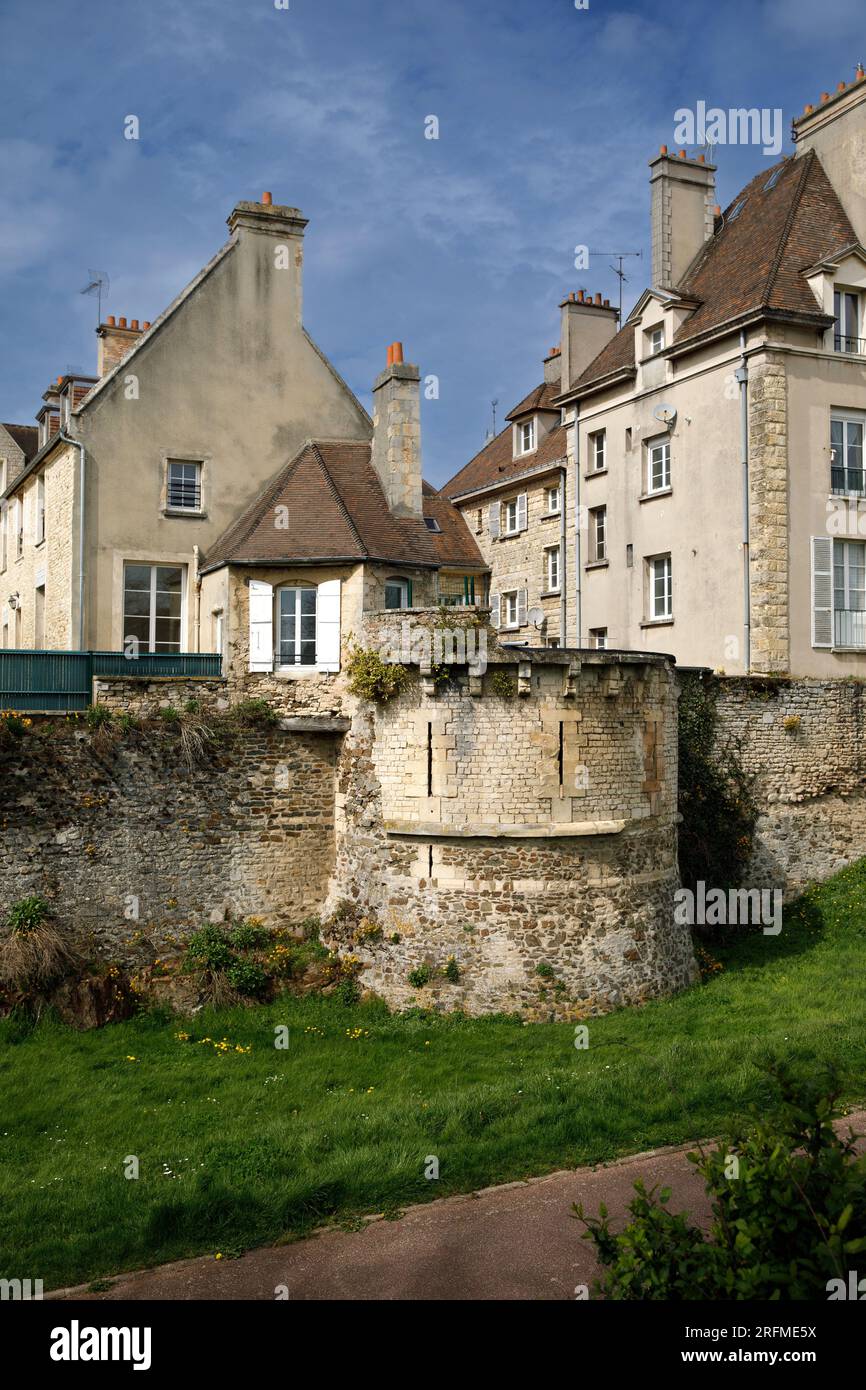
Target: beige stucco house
711,450
124,509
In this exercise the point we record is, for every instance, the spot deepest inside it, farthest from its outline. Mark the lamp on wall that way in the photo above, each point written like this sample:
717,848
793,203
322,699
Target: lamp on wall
14,601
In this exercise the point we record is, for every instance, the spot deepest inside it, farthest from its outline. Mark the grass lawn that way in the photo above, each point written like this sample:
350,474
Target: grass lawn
238,1148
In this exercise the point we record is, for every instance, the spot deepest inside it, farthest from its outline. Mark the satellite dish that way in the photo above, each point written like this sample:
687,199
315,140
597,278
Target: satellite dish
536,616
666,414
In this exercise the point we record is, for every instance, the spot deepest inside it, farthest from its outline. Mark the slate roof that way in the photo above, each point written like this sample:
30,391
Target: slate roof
335,510
26,437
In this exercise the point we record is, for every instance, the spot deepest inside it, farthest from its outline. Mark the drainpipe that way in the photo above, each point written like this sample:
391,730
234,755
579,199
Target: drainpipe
195,551
577,595
563,636
76,443
742,376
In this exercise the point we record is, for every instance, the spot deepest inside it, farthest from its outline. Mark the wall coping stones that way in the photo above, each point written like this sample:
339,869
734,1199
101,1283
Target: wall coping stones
438,830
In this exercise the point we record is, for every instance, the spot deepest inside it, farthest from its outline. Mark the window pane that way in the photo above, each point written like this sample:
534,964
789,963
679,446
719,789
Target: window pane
137,604
138,628
169,579
308,601
138,577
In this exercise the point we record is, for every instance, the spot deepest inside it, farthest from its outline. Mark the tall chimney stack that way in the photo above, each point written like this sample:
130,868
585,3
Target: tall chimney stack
587,326
397,434
115,341
683,197
836,131
271,238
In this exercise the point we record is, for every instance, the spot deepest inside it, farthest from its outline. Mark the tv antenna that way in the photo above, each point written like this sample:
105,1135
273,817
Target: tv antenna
99,285
494,404
619,257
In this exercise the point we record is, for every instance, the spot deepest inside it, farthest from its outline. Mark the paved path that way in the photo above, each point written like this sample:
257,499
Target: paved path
512,1242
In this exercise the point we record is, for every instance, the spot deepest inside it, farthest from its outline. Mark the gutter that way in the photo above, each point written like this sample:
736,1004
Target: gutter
742,376
563,635
77,444
577,593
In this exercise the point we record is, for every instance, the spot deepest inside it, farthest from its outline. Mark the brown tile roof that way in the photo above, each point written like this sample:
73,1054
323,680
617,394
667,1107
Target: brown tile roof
755,261
26,437
540,399
496,463
336,510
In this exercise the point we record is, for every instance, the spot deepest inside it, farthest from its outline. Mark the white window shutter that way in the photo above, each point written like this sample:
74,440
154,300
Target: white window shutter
328,626
495,614
822,591
493,520
522,510
261,626
522,598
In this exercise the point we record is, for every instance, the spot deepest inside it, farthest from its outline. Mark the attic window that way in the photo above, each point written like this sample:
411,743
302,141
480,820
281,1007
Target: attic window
774,178
736,210
432,524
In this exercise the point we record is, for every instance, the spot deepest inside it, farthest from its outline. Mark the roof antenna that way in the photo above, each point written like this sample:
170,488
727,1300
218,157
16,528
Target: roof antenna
494,404
99,285
619,257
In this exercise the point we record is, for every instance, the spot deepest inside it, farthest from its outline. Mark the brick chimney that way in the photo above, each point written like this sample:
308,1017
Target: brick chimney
273,236
683,198
588,324
116,339
836,130
397,433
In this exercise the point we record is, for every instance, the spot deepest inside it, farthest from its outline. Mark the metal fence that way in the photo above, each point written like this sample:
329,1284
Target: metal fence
43,681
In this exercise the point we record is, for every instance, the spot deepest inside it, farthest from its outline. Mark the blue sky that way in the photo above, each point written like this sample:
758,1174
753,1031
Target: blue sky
461,247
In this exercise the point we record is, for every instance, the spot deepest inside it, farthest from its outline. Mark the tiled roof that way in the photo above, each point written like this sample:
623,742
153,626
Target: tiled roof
26,437
756,260
539,399
335,509
496,463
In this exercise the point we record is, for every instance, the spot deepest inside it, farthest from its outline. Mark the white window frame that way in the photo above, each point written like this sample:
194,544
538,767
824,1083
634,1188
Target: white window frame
552,568
656,340
505,601
394,581
848,419
597,534
850,634
40,508
184,508
598,639
661,565
153,566
18,526
598,450
653,447
552,500
298,590
842,310
522,447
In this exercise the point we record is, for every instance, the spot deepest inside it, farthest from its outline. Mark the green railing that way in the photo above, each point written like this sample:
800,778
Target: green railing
42,681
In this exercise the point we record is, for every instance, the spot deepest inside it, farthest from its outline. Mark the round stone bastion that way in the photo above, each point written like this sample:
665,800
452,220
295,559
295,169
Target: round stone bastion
507,836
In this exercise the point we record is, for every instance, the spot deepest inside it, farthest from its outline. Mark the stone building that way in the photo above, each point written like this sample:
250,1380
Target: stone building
710,452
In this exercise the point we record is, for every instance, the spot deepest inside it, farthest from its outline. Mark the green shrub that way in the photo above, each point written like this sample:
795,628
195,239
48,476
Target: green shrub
13,725
544,970
247,977
249,936
192,707
373,678
127,722
348,992
451,970
419,977
503,684
98,716
789,1212
209,949
254,711
170,714
27,914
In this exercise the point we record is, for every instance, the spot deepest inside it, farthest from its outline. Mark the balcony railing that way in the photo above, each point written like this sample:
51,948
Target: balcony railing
842,342
849,627
60,680
848,482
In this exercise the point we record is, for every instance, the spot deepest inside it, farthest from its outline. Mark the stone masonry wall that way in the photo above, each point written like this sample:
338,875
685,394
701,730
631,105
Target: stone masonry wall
803,742
768,525
93,823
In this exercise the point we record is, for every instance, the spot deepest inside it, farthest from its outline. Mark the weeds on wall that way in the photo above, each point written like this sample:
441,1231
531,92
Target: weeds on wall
373,678
33,953
716,802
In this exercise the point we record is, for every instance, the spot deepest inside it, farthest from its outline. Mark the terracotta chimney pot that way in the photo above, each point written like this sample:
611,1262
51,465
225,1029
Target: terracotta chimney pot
145,326
121,323
267,199
598,299
825,96
110,321
397,349
663,149
134,323
682,154
702,159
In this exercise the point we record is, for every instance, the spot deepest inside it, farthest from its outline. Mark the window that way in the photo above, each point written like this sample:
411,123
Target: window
40,509
597,534
551,498
849,594
656,341
509,609
296,617
153,606
479,521
598,451
774,178
628,437
598,638
629,556
4,531
552,568
432,524
526,437
846,455
184,486
18,526
660,586
658,466
846,306
398,593
736,210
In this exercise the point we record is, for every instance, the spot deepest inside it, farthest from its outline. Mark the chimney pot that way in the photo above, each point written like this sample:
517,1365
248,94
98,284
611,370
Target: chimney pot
607,304
809,108
580,296
702,159
663,149
110,321
134,323
598,299
121,323
841,87
267,199
860,73
145,326
717,211
682,154
397,349
59,379
825,96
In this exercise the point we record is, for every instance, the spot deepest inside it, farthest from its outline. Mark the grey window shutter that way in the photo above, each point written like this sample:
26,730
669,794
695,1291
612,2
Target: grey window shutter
822,591
495,617
493,520
522,512
522,597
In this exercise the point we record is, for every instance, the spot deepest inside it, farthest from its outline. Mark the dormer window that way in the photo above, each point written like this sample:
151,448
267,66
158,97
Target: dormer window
846,333
656,340
526,434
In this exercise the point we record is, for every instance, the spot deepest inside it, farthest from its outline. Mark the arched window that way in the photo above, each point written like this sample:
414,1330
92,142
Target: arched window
296,626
